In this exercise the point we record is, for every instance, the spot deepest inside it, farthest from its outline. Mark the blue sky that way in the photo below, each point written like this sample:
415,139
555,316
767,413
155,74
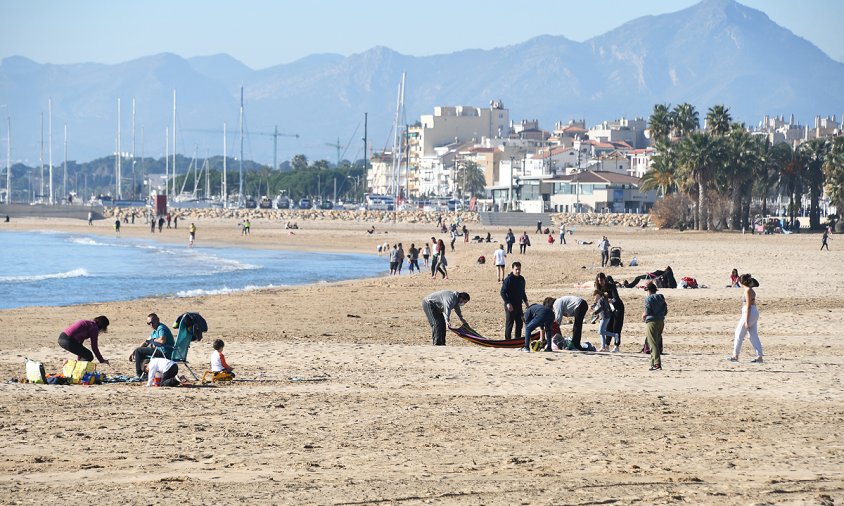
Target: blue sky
263,33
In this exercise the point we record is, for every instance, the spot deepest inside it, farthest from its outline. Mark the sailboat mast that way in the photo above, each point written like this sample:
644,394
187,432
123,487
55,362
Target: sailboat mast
166,161
174,141
9,161
240,166
133,148
41,158
64,167
224,186
117,188
50,143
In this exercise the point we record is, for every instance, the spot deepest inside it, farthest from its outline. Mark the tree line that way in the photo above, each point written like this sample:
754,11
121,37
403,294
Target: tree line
728,172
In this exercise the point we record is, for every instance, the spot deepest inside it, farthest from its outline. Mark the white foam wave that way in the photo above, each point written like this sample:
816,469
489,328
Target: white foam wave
222,291
75,273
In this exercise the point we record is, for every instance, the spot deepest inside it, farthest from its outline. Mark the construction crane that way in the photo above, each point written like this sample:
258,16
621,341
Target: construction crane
337,146
275,134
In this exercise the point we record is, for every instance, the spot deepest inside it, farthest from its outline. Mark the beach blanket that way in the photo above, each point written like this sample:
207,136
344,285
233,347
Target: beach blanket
471,335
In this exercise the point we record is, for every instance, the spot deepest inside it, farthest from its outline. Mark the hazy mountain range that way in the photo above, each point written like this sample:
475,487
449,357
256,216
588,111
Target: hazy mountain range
716,52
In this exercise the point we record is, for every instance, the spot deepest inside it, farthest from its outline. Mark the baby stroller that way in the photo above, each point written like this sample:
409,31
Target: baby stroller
615,257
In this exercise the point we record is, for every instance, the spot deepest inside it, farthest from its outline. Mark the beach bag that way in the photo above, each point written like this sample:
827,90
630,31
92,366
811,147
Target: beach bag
690,282
74,370
35,372
481,259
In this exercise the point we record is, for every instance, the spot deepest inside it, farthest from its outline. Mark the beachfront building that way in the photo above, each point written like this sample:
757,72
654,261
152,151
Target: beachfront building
631,132
457,124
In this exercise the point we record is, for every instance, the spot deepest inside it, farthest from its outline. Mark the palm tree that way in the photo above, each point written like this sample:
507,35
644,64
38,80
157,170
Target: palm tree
742,154
815,152
698,154
660,123
792,167
718,120
686,119
662,175
834,171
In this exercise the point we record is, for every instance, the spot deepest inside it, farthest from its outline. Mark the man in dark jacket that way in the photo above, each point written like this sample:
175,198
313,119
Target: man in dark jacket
540,316
513,294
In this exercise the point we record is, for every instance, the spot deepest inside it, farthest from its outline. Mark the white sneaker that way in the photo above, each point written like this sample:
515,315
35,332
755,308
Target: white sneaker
603,349
615,349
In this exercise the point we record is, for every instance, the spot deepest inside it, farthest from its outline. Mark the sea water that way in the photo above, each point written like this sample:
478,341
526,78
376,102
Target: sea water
59,269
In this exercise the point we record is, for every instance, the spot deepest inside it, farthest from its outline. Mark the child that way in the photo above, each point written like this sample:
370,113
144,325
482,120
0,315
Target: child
218,360
165,370
602,307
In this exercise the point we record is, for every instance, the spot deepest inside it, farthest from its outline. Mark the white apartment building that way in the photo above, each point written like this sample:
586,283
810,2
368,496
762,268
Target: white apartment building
457,124
622,130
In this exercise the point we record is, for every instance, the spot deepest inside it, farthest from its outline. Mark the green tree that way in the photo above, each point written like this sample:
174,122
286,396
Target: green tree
662,174
791,168
685,119
834,173
698,154
660,123
815,153
299,162
470,178
718,120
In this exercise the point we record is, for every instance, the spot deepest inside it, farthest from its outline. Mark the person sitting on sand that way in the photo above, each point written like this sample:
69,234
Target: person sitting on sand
218,360
160,337
734,280
72,337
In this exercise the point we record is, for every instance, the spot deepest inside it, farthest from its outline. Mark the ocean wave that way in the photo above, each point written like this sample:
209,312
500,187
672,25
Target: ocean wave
222,291
75,273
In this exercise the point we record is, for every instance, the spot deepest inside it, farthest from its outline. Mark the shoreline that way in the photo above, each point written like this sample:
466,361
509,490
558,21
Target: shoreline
340,398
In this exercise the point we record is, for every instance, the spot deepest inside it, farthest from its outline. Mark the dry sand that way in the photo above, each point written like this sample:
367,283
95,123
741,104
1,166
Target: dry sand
340,399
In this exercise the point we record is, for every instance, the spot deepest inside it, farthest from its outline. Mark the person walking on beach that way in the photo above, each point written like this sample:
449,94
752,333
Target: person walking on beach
748,323
426,254
562,233
160,224
510,239
117,226
394,260
168,220
192,232
499,262
453,236
825,240
90,218
465,233
72,337
438,307
573,307
524,242
413,258
175,221
654,317
604,248
400,260
513,294
539,316
152,224
442,263
538,227
435,258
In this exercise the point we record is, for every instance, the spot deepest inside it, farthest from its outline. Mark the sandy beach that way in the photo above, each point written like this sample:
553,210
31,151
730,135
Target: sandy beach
341,399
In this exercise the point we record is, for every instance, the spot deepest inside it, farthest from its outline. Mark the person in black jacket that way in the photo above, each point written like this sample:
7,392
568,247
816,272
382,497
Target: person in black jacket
513,294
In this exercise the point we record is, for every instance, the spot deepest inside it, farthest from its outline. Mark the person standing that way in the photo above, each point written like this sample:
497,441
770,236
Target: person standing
524,242
825,240
117,226
426,254
72,337
400,260
175,221
413,258
152,224
499,261
442,263
562,233
159,338
540,316
538,227
438,307
513,294
192,231
453,236
160,224
748,323
573,307
394,260
465,233
602,308
90,218
607,285
510,239
604,248
435,257
654,317
168,219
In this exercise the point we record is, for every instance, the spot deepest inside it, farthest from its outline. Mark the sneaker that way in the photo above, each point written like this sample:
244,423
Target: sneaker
733,359
526,350
615,349
655,368
757,360
602,349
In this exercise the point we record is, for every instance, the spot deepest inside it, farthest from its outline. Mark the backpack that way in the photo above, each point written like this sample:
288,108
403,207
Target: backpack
481,259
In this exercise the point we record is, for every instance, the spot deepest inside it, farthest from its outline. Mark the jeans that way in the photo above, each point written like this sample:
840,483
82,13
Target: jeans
516,316
577,328
530,327
605,257
168,378
750,330
604,331
75,347
142,353
436,319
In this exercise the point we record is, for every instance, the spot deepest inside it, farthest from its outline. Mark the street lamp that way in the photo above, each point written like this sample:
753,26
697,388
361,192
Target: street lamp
510,194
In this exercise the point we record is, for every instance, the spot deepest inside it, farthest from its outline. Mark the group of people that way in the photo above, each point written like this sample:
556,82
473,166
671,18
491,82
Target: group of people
607,305
152,359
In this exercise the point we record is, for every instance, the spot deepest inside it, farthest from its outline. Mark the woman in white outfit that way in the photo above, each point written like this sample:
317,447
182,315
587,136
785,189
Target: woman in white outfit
749,319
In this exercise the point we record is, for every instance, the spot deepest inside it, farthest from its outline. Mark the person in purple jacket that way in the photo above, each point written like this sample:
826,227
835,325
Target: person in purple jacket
71,338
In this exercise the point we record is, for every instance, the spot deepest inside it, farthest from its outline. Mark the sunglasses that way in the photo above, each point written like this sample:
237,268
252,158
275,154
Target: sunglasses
149,323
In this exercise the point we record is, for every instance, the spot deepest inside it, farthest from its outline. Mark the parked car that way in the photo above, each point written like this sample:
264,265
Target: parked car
305,204
326,204
282,203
